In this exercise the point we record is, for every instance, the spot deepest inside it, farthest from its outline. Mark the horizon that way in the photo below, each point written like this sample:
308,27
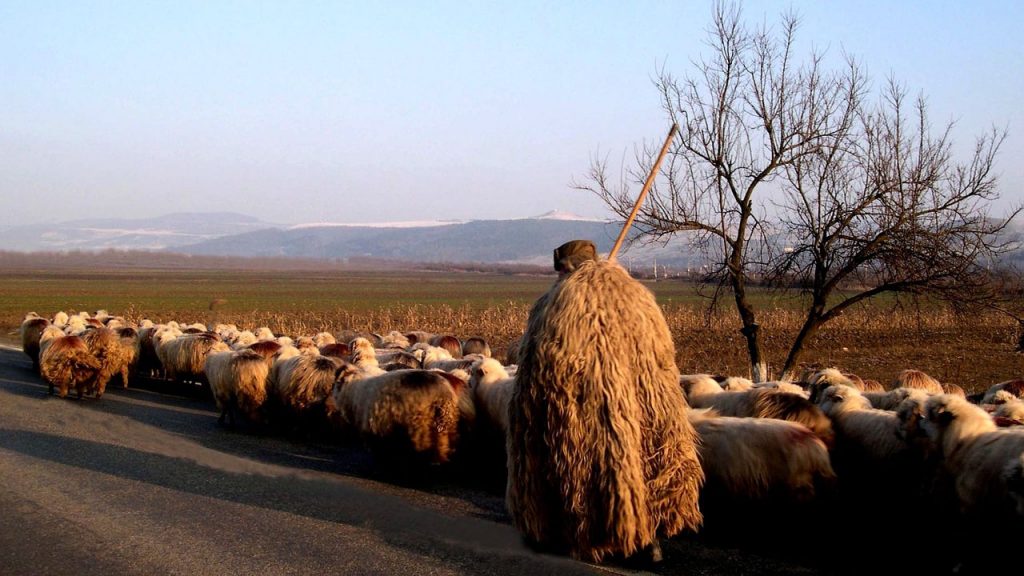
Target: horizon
408,112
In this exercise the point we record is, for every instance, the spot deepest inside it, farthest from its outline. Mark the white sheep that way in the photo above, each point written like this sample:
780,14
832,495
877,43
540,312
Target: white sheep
736,384
492,390
977,456
758,469
1010,387
238,381
31,331
698,385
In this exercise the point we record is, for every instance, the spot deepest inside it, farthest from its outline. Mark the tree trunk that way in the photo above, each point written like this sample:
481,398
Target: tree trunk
810,327
751,330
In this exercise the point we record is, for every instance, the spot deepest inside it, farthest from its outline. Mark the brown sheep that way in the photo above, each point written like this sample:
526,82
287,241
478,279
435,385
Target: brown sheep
917,379
601,458
113,355
447,342
65,362
476,345
401,416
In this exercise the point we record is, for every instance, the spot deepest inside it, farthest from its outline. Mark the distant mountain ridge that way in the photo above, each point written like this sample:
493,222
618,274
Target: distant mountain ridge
517,240
159,233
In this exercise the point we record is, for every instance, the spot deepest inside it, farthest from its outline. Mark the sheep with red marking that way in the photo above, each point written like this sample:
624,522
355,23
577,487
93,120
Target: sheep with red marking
449,343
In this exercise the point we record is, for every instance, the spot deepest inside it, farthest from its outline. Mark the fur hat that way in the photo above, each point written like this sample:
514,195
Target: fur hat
570,255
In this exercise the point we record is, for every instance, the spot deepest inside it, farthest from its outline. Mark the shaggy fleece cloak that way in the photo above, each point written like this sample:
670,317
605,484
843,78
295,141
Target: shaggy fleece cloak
601,457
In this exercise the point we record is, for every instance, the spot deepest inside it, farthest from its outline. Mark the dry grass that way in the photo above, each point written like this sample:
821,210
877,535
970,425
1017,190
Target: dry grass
875,341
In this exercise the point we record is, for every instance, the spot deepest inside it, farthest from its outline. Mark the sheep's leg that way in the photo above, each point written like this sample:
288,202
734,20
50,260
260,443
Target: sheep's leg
124,376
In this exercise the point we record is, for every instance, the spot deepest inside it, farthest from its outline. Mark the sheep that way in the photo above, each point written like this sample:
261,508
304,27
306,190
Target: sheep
917,379
338,350
447,342
822,379
65,362
492,390
402,417
870,443
1010,413
401,358
238,381
476,345
891,399
184,357
264,333
245,339
1012,387
601,458
394,340
736,384
1013,476
780,386
698,385
765,403
365,357
429,355
954,390
114,357
60,319
265,348
299,386
979,459
321,339
873,386
418,336
31,330
758,471
306,345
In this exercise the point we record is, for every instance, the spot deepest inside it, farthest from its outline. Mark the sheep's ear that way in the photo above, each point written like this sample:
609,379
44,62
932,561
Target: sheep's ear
943,417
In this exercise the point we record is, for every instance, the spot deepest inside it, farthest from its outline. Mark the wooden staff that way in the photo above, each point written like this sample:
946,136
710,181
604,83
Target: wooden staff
643,193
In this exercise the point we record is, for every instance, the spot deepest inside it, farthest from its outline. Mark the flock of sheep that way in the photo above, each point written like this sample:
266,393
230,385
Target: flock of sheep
834,441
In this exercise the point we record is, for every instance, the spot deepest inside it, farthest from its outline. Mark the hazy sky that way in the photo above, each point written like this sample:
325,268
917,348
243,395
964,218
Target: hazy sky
369,111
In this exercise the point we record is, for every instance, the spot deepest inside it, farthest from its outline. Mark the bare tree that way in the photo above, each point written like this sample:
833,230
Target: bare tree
783,172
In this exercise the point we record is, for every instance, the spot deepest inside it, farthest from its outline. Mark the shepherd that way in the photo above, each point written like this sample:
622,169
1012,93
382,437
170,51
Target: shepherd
602,461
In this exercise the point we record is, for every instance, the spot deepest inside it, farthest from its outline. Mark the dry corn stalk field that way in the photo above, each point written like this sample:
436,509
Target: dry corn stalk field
874,341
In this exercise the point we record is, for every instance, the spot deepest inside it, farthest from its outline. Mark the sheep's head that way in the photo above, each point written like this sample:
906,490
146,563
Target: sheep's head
839,398
910,411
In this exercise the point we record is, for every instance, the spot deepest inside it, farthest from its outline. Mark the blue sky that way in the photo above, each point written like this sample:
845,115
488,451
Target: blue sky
369,111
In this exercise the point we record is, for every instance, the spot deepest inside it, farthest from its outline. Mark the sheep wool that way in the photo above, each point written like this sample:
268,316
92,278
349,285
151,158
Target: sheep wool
601,457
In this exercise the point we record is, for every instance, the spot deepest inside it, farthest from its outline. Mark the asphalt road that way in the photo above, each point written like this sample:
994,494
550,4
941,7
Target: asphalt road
144,481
